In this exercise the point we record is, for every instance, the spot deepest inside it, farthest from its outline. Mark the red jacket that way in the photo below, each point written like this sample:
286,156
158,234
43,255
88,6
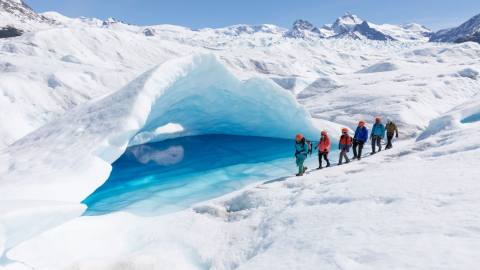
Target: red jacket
345,143
324,144
345,140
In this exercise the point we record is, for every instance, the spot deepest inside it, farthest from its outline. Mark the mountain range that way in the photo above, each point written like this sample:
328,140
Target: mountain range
17,17
351,26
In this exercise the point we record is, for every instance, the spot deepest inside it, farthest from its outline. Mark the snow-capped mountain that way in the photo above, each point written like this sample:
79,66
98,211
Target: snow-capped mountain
365,31
346,23
16,13
303,29
468,31
352,26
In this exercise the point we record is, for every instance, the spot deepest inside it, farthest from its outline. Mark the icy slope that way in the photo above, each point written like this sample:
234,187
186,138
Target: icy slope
413,207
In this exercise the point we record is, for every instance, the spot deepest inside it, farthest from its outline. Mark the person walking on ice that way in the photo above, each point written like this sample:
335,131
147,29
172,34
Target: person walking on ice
344,145
359,139
377,135
391,130
302,149
323,147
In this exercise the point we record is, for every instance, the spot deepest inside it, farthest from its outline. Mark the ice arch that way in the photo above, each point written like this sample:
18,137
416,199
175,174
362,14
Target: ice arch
194,95
208,99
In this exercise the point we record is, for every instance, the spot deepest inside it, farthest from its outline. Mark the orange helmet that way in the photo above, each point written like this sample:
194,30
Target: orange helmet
299,137
324,133
344,130
361,123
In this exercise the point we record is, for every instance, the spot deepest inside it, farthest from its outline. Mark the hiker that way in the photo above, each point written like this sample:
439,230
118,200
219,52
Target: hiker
359,139
302,149
391,130
323,147
344,146
377,135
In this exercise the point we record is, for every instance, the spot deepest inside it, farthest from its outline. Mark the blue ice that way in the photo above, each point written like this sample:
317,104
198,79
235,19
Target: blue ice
172,175
472,118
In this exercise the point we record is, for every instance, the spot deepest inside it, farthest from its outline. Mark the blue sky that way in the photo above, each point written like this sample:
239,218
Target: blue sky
435,14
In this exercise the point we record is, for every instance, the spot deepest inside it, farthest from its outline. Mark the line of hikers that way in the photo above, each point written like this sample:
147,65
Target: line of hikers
303,147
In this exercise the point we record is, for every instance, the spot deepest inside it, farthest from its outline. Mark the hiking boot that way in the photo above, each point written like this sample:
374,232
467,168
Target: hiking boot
299,174
319,168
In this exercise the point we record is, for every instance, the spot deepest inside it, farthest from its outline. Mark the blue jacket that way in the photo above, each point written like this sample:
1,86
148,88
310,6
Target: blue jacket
378,129
361,134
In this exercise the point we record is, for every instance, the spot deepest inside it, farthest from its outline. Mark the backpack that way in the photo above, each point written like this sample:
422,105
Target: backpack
310,146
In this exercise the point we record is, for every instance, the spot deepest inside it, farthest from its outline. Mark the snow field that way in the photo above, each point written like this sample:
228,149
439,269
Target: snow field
63,121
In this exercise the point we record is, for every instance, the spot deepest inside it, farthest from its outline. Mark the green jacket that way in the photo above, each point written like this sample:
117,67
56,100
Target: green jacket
391,128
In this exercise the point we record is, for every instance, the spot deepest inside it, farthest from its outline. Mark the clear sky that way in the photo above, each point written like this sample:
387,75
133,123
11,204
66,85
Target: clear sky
436,14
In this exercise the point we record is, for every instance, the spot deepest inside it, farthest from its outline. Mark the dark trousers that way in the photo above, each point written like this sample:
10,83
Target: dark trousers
357,153
389,140
343,154
323,155
376,140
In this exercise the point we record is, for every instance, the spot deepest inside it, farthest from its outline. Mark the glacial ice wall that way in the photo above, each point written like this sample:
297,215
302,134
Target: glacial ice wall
210,100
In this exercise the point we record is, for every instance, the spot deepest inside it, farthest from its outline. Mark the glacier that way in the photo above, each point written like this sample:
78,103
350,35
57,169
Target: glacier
84,103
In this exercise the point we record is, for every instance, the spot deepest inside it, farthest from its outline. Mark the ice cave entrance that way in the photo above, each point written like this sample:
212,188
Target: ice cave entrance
171,175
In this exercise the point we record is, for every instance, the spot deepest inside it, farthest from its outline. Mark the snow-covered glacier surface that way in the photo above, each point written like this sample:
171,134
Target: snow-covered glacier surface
80,95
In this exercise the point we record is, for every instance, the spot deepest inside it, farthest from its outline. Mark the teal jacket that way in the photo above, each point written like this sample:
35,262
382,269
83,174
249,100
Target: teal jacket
378,129
301,150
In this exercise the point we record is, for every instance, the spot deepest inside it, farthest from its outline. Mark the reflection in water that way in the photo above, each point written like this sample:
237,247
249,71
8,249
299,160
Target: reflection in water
172,175
145,154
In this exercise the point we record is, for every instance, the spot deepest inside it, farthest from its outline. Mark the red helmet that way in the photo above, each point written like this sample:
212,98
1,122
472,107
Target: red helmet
344,130
299,137
324,133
